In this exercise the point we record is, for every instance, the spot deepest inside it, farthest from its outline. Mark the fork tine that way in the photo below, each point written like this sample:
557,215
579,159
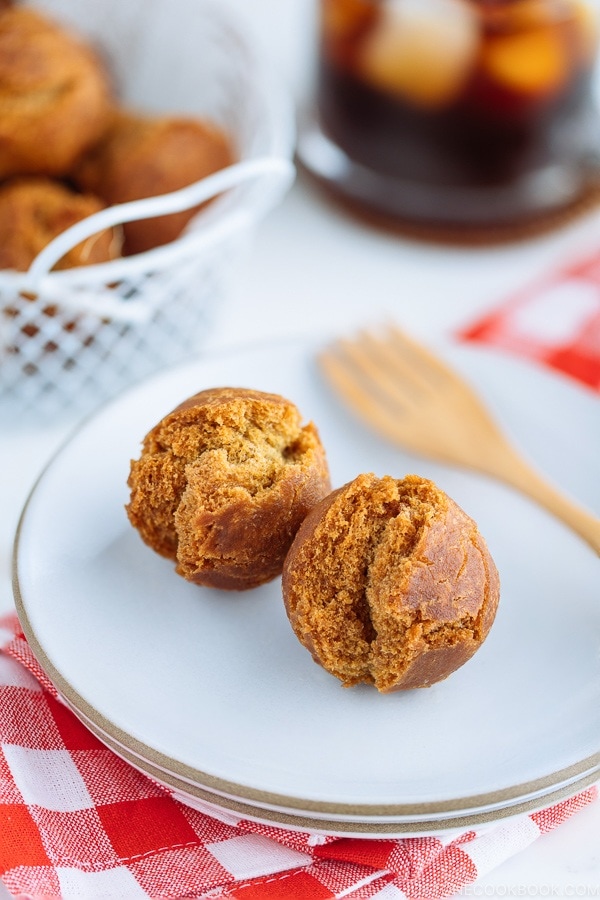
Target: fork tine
370,358
360,400
427,361
439,374
396,386
400,369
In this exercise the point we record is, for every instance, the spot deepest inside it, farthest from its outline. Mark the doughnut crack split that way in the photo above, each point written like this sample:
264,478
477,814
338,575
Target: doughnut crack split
390,583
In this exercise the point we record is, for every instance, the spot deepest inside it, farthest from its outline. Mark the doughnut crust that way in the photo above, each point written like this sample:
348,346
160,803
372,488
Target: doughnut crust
55,97
223,483
389,582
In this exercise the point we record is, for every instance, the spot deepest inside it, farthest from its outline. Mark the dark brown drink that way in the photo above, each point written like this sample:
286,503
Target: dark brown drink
456,111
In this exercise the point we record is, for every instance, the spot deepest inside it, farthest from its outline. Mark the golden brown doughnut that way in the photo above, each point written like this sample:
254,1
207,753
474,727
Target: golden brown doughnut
223,483
389,582
144,156
35,210
55,99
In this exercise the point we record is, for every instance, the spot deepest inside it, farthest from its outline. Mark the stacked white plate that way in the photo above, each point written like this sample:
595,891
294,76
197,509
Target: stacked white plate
210,692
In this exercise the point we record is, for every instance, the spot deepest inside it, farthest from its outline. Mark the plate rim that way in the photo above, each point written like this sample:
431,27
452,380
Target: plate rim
347,827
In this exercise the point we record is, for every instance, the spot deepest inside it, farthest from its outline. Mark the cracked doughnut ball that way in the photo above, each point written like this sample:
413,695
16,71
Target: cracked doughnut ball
389,582
224,482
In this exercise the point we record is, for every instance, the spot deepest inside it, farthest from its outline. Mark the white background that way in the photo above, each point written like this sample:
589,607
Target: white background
311,270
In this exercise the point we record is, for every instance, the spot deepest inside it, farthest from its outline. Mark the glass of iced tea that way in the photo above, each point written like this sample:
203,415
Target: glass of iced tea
456,114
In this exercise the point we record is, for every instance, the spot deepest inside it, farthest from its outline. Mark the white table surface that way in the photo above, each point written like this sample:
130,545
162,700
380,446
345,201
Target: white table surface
314,270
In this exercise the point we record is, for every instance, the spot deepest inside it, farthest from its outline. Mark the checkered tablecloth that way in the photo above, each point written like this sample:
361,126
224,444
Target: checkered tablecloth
78,822
554,321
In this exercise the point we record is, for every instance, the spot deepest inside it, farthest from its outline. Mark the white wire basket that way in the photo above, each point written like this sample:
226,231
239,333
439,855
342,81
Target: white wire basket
70,339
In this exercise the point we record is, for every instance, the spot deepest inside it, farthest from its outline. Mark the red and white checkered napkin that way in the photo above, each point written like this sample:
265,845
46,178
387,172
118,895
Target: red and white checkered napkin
78,822
555,321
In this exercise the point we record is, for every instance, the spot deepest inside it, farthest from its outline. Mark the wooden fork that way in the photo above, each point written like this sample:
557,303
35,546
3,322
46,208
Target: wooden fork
402,390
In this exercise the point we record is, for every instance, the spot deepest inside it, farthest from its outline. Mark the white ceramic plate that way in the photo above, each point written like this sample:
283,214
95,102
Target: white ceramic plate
211,692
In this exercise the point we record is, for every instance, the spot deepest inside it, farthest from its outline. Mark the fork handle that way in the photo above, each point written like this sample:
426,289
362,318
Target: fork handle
516,472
